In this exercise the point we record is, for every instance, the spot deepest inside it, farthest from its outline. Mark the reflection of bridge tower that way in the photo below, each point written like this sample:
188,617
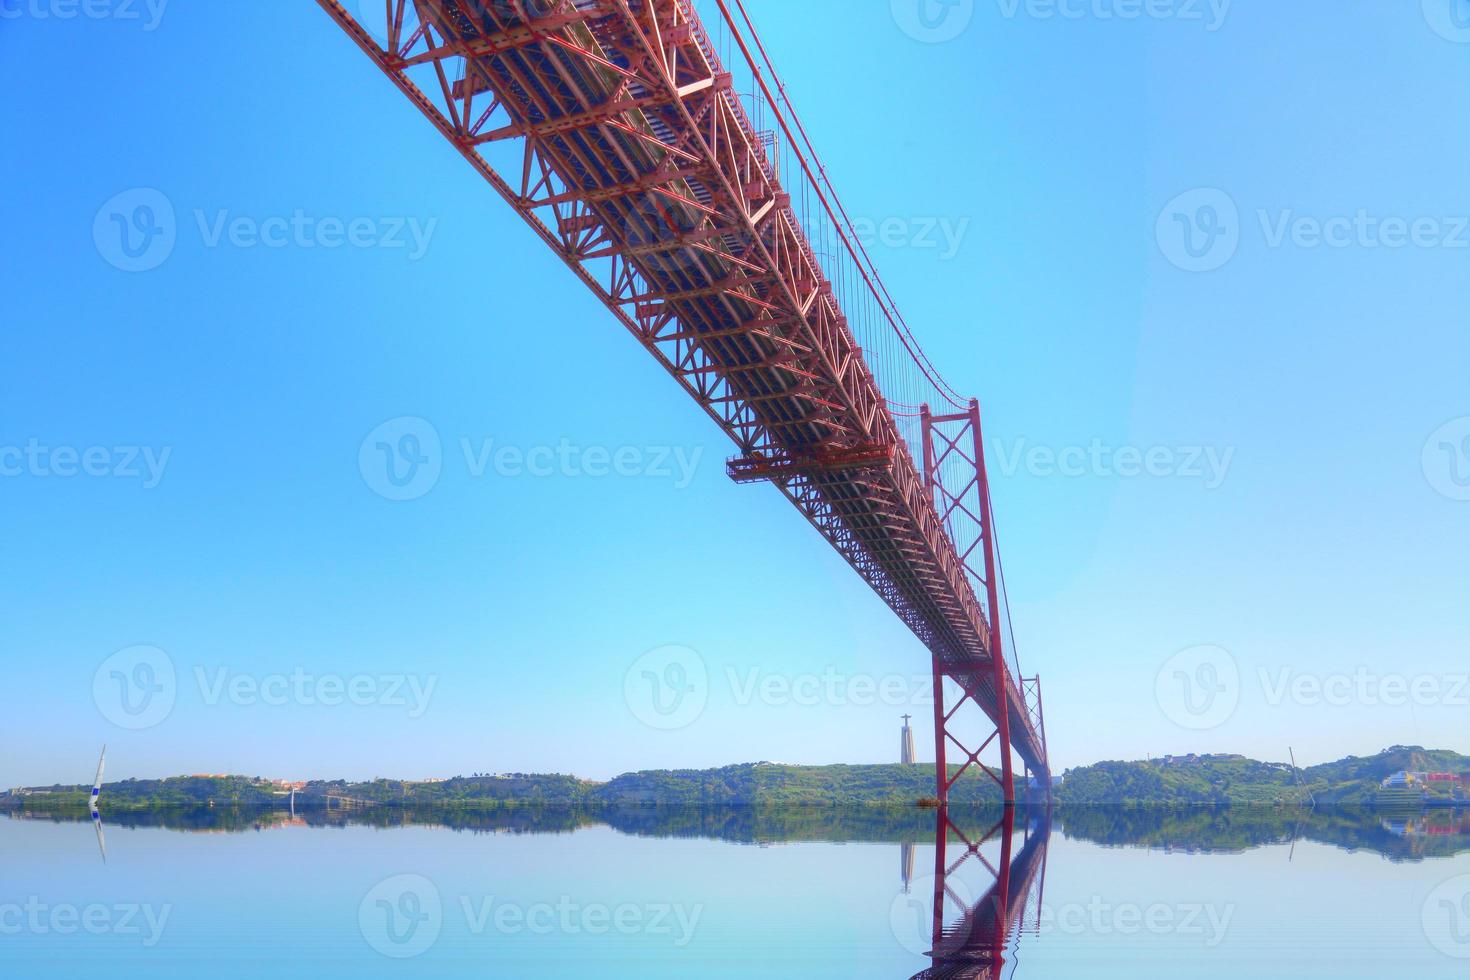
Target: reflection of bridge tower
975,945
906,743
906,864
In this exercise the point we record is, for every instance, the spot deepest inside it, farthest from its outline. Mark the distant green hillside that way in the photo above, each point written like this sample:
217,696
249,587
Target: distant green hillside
245,792
1237,781
1214,779
775,784
752,784
548,790
1218,780
179,791
1356,780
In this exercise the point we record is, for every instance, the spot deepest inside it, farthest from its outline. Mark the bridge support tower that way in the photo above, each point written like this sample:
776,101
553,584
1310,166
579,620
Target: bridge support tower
955,476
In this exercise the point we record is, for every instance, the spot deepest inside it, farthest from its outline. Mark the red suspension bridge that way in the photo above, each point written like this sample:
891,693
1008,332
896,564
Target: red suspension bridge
666,167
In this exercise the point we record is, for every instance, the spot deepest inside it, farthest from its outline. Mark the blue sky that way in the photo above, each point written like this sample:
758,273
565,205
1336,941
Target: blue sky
1056,159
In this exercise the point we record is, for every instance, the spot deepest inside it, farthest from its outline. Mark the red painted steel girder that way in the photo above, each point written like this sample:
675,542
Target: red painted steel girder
612,128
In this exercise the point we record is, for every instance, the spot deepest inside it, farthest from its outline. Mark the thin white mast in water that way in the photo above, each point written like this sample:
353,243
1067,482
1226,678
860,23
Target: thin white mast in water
96,794
97,786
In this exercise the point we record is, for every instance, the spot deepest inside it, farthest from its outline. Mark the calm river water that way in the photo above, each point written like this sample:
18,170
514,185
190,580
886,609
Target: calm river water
736,893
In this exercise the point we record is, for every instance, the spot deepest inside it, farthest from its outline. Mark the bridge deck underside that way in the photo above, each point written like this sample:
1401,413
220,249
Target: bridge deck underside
641,168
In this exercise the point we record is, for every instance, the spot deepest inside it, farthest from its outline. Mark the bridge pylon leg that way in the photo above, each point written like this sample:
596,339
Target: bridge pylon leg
954,447
946,732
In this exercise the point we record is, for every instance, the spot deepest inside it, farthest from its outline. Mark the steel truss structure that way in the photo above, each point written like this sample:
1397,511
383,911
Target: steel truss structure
613,128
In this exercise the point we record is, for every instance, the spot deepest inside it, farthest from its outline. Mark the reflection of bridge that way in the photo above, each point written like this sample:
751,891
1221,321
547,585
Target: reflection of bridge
974,946
670,173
